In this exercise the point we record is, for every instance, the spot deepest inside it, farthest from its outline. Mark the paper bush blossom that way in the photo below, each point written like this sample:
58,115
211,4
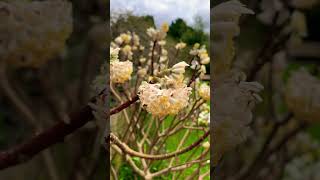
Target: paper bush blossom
204,91
168,97
161,84
34,32
160,102
120,71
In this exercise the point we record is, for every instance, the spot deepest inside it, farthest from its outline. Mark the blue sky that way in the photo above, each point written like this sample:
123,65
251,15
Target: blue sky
167,10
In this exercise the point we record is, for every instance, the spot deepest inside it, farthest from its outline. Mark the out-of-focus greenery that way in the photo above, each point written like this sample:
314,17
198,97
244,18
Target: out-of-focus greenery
179,30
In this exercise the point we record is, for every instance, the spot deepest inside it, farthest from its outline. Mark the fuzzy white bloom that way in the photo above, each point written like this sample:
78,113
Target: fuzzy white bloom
204,91
33,33
119,40
126,37
163,59
141,48
163,101
114,54
202,70
179,68
206,145
158,34
180,45
136,39
162,42
120,71
142,72
204,118
164,52
142,60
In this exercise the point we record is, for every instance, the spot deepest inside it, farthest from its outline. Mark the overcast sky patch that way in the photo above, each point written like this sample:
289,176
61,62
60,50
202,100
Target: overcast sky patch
167,10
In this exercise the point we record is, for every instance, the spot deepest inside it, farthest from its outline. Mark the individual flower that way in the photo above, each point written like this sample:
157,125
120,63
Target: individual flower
142,60
165,27
142,72
162,42
204,91
179,68
127,51
180,45
126,38
119,40
204,118
206,145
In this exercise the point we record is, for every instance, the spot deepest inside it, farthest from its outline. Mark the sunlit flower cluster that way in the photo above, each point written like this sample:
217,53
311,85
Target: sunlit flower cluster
169,95
204,115
120,71
158,34
163,101
180,45
34,32
204,91
128,43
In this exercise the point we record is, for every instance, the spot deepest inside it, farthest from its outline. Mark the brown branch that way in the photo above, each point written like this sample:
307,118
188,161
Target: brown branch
114,139
26,151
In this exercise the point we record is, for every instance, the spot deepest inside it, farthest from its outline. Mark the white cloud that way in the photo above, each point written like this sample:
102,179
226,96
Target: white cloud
167,10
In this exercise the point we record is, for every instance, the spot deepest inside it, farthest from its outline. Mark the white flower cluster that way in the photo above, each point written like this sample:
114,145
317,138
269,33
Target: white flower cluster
160,102
127,42
204,91
158,34
167,97
33,32
180,45
204,115
120,71
303,95
201,59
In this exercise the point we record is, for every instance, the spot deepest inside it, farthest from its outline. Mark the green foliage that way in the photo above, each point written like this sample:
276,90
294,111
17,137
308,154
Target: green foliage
179,30
126,173
192,36
314,131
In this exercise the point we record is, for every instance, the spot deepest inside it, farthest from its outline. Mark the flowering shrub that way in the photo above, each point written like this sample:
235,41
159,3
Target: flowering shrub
164,134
